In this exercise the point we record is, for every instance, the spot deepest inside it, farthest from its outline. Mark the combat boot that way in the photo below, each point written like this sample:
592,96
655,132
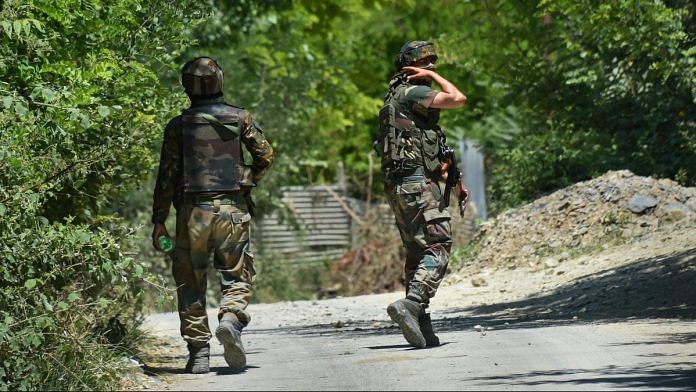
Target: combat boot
406,312
199,359
426,327
229,333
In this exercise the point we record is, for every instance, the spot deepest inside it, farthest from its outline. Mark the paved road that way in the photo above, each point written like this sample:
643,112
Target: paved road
297,346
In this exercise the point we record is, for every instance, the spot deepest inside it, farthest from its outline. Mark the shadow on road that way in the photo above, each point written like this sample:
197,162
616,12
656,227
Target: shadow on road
647,376
661,287
654,288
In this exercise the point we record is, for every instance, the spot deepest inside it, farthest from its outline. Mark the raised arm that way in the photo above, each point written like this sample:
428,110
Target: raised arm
449,98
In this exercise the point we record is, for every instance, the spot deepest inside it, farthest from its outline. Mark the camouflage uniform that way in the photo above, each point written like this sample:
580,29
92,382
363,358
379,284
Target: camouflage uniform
202,172
409,144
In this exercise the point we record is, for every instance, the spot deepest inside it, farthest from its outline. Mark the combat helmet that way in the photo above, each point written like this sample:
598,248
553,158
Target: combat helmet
202,77
413,51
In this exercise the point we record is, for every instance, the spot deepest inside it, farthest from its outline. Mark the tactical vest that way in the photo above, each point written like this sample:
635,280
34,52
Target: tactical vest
408,139
212,153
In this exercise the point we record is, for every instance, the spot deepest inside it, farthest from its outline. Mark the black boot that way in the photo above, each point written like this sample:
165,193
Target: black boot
406,312
229,333
426,327
199,359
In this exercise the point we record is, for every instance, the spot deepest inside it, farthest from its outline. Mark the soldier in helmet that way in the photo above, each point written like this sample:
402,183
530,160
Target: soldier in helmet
410,144
202,171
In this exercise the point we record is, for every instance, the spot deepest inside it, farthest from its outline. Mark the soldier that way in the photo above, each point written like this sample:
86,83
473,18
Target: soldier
202,172
410,145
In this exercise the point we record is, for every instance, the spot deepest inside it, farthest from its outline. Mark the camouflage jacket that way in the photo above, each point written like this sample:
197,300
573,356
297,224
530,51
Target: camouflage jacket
169,187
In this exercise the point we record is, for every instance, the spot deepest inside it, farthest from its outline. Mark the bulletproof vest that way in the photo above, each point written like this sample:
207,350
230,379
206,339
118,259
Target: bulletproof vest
408,138
212,154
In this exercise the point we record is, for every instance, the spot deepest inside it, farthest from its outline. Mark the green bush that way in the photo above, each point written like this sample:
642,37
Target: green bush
81,104
599,86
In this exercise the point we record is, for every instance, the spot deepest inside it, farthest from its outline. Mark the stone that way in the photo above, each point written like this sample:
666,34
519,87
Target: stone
550,262
527,250
640,204
478,328
555,244
564,256
339,324
478,282
675,211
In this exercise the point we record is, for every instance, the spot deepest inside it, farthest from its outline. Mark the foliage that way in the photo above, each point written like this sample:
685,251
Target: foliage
278,280
599,87
81,102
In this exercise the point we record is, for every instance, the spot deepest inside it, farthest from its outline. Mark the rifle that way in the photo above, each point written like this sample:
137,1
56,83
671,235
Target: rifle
454,179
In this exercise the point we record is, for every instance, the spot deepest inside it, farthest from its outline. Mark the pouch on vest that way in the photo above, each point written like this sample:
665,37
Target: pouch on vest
431,149
399,137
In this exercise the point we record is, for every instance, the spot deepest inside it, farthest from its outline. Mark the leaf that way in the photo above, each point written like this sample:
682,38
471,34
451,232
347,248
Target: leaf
47,305
138,270
37,24
17,27
27,26
2,209
20,109
30,284
85,121
7,102
49,95
72,297
103,303
103,111
6,27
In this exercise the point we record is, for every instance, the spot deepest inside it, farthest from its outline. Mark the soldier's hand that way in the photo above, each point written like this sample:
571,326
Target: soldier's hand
444,171
461,191
418,73
159,230
462,194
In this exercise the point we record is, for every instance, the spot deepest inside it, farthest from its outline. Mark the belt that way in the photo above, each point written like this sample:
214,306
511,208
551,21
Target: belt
229,199
411,178
415,174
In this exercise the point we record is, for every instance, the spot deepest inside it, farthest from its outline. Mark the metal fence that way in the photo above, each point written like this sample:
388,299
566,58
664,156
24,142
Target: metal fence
318,225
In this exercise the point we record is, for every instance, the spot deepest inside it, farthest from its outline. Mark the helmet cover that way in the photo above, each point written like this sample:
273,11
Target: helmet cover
202,77
412,51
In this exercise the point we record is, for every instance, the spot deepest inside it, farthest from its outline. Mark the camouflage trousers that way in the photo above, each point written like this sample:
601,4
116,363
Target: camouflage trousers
425,232
224,231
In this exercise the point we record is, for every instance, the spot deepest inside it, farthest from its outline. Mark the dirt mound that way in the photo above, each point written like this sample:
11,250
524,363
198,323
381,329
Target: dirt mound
615,208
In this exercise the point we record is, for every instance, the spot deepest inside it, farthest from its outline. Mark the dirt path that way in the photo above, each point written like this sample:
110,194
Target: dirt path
620,319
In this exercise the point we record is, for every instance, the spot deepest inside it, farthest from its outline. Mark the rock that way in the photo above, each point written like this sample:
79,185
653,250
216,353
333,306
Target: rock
339,324
555,244
564,256
639,204
478,328
478,282
550,262
527,250
675,211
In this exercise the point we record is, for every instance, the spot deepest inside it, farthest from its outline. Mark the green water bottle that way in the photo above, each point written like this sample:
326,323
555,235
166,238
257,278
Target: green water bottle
166,243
